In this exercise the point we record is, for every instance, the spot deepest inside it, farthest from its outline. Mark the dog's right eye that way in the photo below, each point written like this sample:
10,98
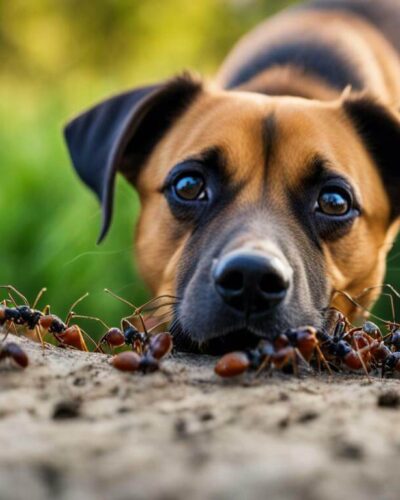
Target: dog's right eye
190,187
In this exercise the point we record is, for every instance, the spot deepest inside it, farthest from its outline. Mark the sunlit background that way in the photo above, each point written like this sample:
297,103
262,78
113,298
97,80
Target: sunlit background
57,59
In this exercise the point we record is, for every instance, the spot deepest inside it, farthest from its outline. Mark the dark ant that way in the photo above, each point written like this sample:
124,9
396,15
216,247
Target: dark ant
32,319
22,315
11,350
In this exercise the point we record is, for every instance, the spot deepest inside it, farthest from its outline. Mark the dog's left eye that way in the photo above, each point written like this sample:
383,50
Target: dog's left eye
190,187
334,201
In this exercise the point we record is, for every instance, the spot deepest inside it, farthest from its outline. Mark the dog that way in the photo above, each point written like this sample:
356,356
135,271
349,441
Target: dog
268,189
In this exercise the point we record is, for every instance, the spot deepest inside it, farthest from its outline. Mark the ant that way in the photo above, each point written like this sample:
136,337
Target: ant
13,351
263,356
355,347
286,350
128,334
131,361
337,348
23,315
32,319
373,348
147,349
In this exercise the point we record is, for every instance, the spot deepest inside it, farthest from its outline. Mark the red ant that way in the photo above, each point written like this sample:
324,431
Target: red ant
128,334
287,349
378,350
32,319
357,348
130,361
147,349
265,354
11,350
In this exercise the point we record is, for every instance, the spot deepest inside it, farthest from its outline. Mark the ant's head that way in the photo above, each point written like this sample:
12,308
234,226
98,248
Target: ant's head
130,333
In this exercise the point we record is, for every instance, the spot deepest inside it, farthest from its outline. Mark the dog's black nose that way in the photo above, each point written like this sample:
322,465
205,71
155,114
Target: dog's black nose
250,281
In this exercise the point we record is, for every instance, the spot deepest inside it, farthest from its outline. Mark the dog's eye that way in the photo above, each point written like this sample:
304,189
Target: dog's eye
334,201
190,187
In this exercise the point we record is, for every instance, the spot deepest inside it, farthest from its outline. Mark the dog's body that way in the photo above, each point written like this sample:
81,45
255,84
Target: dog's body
327,45
271,188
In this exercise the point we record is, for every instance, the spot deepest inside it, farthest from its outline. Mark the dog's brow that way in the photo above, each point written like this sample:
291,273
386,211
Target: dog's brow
317,171
268,136
212,157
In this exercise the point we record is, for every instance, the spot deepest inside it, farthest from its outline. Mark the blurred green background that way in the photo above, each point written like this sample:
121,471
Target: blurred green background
57,59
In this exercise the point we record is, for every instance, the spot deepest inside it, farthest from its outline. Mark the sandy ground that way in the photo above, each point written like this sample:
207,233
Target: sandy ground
72,427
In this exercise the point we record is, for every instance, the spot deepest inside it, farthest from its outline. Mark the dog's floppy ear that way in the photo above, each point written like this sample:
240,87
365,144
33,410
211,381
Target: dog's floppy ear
119,134
379,129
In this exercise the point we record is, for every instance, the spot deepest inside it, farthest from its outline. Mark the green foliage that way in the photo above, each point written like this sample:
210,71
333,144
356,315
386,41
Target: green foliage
58,58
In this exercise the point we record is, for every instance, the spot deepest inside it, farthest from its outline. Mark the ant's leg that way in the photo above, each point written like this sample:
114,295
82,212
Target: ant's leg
359,354
292,357
303,359
97,346
93,318
138,310
84,333
70,312
264,364
121,299
355,303
12,289
8,331
383,285
143,326
12,300
154,303
40,337
38,297
163,320
322,358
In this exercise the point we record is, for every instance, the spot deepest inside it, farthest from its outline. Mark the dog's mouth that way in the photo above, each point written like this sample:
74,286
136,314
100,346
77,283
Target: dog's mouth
237,340
242,337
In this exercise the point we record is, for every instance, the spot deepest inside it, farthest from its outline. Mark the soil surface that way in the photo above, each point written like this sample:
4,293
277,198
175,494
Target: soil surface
72,427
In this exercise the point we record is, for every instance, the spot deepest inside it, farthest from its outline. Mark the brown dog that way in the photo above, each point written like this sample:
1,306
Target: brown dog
263,192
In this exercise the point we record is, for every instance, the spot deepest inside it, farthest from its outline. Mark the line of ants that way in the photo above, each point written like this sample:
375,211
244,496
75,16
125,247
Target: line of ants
147,349
343,345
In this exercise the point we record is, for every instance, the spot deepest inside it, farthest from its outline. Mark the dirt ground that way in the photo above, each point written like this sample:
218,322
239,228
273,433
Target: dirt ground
72,427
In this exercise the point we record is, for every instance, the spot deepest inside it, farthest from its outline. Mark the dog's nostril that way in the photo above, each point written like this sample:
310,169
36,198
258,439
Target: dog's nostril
250,281
232,281
272,283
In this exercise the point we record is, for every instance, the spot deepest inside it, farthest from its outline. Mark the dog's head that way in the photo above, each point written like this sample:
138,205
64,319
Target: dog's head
254,208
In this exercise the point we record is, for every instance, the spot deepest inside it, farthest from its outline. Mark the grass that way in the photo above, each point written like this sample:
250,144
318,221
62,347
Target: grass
50,221
57,64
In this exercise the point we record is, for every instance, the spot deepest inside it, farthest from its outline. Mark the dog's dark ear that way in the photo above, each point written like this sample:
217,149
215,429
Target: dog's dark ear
119,134
379,129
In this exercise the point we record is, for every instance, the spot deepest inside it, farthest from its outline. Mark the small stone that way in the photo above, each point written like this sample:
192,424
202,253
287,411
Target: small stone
67,409
389,399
